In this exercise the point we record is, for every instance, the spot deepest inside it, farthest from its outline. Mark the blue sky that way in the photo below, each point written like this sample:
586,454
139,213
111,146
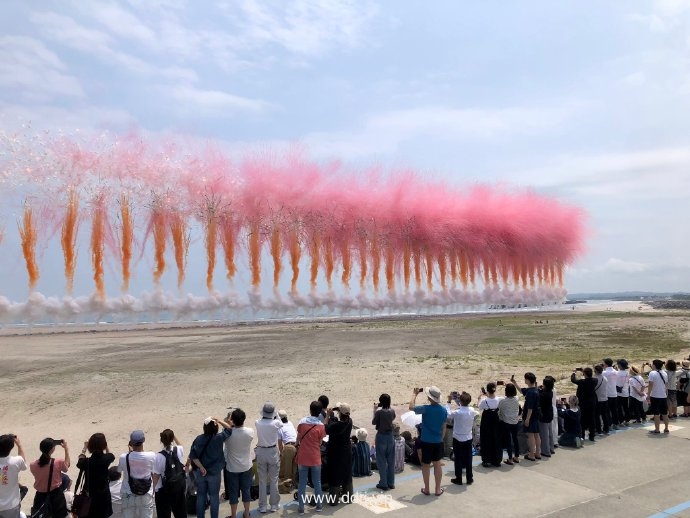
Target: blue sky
585,101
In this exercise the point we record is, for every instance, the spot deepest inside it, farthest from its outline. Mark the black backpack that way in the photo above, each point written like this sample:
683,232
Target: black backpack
174,479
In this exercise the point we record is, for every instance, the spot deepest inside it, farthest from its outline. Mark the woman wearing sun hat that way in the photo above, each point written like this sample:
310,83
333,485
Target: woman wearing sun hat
434,417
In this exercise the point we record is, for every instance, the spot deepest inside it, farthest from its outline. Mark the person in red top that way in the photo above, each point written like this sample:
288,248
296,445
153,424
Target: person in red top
310,433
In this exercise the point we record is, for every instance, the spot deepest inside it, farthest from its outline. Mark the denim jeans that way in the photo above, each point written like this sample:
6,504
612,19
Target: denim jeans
239,483
304,472
385,458
208,486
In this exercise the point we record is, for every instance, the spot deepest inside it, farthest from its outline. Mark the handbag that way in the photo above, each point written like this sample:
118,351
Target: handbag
45,510
81,504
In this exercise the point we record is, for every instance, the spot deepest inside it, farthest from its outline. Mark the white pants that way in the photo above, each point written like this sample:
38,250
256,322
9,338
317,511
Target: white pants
137,506
268,467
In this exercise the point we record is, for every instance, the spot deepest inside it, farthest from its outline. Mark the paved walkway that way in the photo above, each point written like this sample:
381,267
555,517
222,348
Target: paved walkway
628,474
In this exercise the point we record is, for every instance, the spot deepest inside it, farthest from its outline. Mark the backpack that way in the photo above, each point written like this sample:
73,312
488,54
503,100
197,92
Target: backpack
174,479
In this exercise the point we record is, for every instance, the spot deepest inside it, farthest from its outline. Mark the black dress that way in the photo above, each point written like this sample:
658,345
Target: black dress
489,438
339,455
97,483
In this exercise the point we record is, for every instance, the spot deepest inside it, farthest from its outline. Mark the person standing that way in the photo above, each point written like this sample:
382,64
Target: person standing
384,442
10,466
268,448
238,463
288,434
136,466
463,423
206,454
587,397
47,473
96,472
602,416
637,395
530,415
657,397
310,433
339,454
433,426
170,489
671,388
623,389
611,392
546,417
489,438
509,415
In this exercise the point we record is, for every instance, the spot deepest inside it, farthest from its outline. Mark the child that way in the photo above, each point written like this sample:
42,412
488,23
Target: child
361,455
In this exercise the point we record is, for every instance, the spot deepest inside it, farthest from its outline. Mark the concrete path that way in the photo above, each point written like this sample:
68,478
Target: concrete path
628,474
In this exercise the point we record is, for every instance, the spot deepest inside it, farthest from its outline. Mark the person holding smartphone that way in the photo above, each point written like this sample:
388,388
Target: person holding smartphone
47,481
384,442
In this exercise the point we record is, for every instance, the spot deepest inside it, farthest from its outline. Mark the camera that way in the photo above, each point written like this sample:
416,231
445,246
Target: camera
336,409
500,383
58,441
419,389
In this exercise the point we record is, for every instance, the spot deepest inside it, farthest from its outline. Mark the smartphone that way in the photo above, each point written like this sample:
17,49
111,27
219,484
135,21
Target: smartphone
483,391
500,383
563,400
420,389
579,369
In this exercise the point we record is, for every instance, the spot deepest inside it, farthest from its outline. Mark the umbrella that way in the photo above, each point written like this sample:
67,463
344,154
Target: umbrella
410,419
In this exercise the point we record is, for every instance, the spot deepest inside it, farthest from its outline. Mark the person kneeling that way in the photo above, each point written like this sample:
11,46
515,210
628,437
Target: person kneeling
571,424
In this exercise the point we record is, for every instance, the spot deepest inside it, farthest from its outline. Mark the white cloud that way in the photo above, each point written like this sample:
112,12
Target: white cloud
36,71
615,265
213,102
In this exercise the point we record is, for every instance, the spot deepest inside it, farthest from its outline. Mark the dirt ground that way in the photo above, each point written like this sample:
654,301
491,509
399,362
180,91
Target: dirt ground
71,382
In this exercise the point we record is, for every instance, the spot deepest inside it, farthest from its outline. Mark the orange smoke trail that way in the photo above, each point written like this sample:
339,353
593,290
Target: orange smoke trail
429,271
494,274
486,272
462,259
390,267
472,267
255,254
275,253
407,256
523,275
453,259
159,243
178,230
418,268
362,261
69,239
552,275
329,260
210,242
97,244
515,267
505,271
127,240
347,262
295,255
314,252
559,273
376,261
530,272
540,274
442,269
28,238
227,238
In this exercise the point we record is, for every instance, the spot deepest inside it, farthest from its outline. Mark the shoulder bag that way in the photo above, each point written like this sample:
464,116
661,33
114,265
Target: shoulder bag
45,510
81,505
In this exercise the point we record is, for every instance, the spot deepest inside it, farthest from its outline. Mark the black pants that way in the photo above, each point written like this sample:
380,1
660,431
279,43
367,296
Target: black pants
587,418
613,411
623,409
636,409
462,450
602,417
167,503
510,439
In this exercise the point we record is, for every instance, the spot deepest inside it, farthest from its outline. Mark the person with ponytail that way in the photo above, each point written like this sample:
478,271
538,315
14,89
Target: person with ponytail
95,468
47,474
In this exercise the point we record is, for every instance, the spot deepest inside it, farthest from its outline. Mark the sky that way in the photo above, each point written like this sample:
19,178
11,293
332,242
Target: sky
587,102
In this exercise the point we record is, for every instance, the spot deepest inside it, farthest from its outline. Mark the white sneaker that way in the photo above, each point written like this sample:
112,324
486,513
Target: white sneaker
578,442
275,508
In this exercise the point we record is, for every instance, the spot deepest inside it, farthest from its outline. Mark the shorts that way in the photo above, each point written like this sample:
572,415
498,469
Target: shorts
533,426
431,452
658,406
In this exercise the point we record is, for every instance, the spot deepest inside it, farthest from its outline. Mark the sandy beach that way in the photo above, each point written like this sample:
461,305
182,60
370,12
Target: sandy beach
71,382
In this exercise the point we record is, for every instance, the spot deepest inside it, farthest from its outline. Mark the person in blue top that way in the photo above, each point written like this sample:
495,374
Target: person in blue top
433,427
207,457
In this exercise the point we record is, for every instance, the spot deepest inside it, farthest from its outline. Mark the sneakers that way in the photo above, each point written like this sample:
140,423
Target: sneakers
578,442
274,508
456,481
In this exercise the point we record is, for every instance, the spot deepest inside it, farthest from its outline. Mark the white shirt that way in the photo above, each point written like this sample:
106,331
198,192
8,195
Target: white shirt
622,381
610,375
238,450
463,421
602,388
159,464
637,384
489,403
659,384
268,432
141,463
10,467
288,433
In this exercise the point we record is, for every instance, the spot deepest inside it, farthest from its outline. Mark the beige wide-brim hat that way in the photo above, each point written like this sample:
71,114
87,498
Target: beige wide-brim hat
433,393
